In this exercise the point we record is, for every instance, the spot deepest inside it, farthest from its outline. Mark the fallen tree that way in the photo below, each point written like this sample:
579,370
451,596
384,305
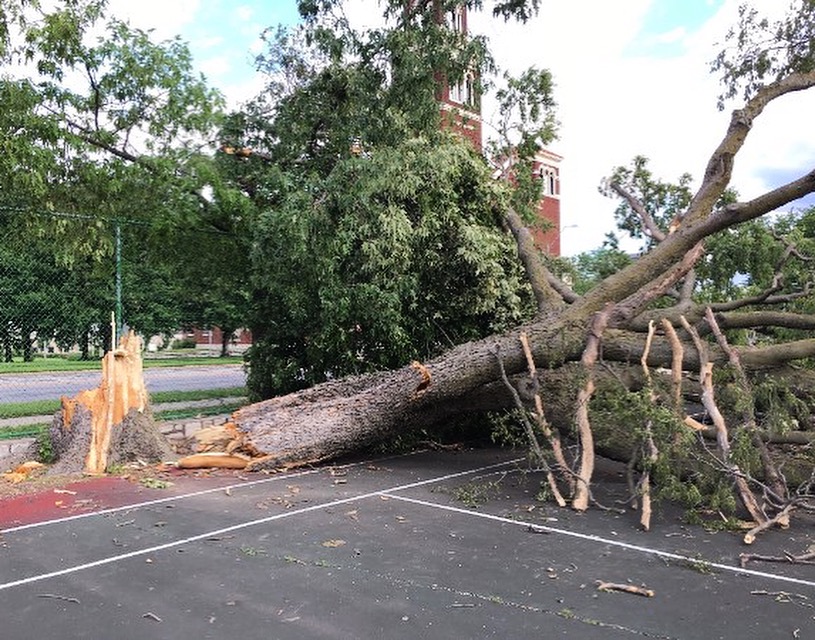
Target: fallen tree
645,316
615,319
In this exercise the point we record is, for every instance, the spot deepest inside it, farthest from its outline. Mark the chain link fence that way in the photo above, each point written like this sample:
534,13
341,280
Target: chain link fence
64,277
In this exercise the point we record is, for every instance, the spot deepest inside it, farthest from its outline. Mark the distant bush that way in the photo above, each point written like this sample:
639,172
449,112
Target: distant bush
183,343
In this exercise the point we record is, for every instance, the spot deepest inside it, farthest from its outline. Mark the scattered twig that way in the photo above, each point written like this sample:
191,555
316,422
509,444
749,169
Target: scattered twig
782,519
535,529
56,596
626,588
151,616
785,596
787,558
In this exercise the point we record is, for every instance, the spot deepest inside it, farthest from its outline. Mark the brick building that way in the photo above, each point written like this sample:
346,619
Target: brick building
461,111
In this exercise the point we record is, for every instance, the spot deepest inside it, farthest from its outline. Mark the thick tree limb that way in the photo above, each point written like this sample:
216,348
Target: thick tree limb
649,226
633,304
562,288
698,223
745,211
720,166
726,320
582,493
546,296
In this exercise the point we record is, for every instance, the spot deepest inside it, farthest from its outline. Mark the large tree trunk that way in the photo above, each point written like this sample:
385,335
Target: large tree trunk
343,416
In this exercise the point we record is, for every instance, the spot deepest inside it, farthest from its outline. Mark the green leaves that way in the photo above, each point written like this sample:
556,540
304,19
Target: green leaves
759,51
395,256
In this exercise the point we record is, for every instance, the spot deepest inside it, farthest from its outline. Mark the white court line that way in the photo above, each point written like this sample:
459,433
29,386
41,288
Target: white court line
245,525
182,496
150,503
592,538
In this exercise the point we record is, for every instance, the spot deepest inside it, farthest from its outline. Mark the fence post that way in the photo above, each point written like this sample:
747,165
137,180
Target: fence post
119,315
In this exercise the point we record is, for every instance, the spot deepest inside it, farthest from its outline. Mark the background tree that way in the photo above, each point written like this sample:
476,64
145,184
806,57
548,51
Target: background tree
379,236
110,130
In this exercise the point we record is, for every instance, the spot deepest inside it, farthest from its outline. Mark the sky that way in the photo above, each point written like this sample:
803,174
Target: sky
632,78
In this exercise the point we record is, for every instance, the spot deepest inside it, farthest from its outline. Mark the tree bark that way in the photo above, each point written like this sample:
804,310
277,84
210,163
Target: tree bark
340,417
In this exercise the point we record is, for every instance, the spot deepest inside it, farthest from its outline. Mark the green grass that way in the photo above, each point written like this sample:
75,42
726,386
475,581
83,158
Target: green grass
41,365
23,431
183,414
48,407
204,394
33,408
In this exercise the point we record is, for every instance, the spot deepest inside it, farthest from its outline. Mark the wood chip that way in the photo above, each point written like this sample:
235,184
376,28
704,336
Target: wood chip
333,543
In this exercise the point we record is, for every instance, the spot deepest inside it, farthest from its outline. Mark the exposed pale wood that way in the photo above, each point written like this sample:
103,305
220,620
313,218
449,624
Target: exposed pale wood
677,356
651,453
773,477
782,519
214,459
551,435
625,588
530,432
708,397
121,390
582,492
23,472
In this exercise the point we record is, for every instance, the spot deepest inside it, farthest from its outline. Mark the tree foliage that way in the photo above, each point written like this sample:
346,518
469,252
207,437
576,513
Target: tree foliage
101,128
379,235
398,256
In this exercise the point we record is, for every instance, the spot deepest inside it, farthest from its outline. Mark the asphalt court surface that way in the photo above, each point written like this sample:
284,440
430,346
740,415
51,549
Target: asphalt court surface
430,545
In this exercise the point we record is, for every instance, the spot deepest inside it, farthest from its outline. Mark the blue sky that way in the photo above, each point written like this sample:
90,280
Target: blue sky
632,77
667,23
224,35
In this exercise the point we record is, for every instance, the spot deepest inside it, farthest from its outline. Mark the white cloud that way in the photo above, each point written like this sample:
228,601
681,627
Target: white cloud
669,37
613,106
216,66
174,16
244,13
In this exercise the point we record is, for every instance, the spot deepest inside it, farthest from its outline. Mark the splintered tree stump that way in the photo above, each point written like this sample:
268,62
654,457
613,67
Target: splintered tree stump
111,423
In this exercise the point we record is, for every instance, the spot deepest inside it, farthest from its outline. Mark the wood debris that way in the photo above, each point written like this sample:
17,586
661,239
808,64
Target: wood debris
23,472
625,588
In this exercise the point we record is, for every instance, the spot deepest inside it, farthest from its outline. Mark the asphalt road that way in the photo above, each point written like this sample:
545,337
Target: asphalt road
52,385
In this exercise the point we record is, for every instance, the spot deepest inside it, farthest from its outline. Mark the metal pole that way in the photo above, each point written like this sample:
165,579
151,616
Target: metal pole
119,318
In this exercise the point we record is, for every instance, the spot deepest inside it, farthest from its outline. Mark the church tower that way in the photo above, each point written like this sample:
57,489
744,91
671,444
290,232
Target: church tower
460,107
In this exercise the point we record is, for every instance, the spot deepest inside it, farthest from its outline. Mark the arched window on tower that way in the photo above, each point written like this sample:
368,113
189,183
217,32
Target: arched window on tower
457,19
548,176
